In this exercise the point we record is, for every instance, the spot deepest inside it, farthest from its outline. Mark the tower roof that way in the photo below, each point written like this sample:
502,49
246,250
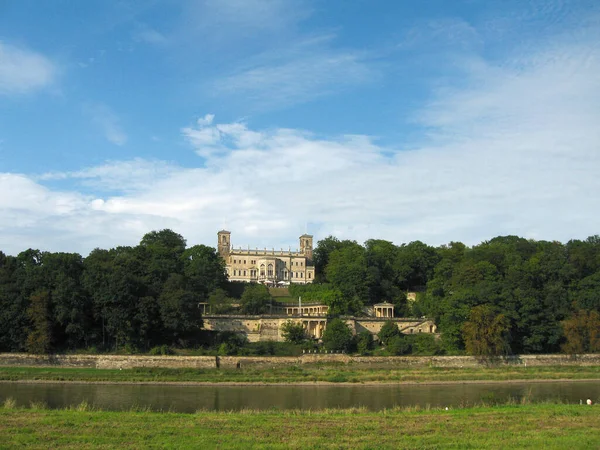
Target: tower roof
307,235
224,232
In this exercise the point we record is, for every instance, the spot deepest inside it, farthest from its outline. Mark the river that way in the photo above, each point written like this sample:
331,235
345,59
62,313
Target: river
226,398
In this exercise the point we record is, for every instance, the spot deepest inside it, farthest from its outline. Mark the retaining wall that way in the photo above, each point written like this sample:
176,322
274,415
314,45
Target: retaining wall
205,362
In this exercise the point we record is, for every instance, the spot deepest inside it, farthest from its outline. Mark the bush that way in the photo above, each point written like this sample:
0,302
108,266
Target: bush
293,332
230,343
162,350
337,336
388,331
364,343
426,344
399,345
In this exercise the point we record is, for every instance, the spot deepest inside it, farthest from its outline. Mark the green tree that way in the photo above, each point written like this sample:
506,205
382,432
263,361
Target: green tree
399,345
39,339
255,299
388,331
220,302
364,342
486,332
337,336
347,271
204,269
293,332
321,255
414,264
13,307
181,317
161,254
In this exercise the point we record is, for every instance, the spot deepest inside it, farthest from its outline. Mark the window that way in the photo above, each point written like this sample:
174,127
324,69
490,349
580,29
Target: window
262,270
235,261
244,273
301,275
270,271
291,274
301,263
309,275
244,261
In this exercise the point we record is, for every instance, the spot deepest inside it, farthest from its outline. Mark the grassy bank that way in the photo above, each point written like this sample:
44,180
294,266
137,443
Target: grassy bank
304,373
514,426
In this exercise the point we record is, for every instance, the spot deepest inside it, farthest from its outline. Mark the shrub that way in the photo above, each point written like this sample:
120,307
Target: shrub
425,344
293,332
161,350
388,331
337,336
399,345
364,343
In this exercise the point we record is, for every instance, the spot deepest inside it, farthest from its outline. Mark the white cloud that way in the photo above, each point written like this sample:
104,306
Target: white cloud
23,71
511,148
133,175
244,17
149,35
107,121
299,73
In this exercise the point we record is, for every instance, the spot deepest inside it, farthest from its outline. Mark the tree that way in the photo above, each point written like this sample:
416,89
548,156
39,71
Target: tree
347,271
205,269
582,332
486,332
388,331
161,254
414,264
293,332
337,336
321,254
255,299
220,302
181,317
399,345
364,342
39,339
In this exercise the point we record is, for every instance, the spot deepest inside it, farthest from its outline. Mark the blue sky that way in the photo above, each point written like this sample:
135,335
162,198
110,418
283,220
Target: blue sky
434,120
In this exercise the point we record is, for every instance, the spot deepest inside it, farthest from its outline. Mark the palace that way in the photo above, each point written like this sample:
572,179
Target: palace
270,267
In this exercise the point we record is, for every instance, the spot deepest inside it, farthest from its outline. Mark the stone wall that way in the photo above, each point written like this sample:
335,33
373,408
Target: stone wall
206,362
268,328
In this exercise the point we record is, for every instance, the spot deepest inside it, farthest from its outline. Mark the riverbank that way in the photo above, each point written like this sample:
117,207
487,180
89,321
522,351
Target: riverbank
550,426
303,375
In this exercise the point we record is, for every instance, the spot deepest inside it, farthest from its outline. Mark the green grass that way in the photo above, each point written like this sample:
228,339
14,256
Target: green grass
548,426
304,373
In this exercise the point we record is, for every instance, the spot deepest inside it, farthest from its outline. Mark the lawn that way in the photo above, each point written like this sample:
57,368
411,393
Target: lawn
548,426
305,373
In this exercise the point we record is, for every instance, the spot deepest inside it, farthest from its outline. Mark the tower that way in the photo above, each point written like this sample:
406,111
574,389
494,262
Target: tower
306,246
224,243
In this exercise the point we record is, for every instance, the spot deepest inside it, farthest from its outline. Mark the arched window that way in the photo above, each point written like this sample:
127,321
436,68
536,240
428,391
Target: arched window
270,270
262,270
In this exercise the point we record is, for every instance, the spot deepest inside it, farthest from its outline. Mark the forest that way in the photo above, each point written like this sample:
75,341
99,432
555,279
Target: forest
508,295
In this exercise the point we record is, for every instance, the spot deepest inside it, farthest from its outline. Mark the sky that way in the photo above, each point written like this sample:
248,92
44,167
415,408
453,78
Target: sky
430,120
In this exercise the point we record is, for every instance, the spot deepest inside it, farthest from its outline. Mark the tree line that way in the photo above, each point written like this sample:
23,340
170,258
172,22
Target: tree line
126,297
505,295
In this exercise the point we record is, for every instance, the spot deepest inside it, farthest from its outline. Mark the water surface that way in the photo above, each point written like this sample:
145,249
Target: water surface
227,398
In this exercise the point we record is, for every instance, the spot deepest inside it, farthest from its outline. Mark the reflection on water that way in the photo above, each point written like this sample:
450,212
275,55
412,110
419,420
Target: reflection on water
225,398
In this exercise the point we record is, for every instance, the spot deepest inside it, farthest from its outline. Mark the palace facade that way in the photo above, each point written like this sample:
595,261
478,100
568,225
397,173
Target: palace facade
271,267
